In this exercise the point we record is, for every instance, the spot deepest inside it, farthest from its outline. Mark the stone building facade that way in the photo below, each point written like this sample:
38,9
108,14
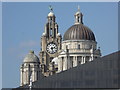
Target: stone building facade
50,45
78,46
30,69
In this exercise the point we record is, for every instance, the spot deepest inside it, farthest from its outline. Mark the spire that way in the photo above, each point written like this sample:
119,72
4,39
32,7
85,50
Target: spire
78,17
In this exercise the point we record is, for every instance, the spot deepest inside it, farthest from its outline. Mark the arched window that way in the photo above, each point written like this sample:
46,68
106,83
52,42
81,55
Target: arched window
51,18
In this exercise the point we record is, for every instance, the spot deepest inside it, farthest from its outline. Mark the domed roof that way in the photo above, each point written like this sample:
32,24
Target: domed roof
77,13
79,32
31,57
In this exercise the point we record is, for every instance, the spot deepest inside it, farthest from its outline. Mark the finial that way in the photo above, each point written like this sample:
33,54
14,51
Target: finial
51,8
78,8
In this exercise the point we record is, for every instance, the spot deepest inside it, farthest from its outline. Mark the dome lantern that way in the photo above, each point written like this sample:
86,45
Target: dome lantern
51,14
78,17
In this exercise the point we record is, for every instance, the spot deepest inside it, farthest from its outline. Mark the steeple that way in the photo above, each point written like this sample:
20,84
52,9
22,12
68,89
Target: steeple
78,17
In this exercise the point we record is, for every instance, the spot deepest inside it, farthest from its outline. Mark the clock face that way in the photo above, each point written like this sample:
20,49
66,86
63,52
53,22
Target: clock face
51,48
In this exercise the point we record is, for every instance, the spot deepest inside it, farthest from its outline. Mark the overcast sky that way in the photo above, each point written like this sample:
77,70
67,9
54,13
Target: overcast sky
23,25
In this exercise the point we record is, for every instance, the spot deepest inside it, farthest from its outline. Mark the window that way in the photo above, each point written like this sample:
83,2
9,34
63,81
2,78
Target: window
56,69
51,18
51,32
78,19
79,46
66,46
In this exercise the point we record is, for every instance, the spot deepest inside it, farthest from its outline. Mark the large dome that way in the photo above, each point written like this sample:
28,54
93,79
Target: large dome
79,32
31,58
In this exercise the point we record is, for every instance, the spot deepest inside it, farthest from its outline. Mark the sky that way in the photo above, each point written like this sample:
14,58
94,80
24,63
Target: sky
23,24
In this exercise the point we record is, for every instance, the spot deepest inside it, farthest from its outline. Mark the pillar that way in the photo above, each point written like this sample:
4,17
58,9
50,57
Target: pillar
21,79
84,59
65,63
60,64
74,59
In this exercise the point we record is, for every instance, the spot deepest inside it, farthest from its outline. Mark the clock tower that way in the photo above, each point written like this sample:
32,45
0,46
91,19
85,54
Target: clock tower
50,45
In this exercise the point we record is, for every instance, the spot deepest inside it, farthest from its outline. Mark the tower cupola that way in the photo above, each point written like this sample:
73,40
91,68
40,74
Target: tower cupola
78,17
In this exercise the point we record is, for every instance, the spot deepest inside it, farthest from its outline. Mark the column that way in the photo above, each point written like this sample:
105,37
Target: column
27,76
24,77
92,57
68,58
35,76
65,63
74,60
21,80
60,64
69,62
84,59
